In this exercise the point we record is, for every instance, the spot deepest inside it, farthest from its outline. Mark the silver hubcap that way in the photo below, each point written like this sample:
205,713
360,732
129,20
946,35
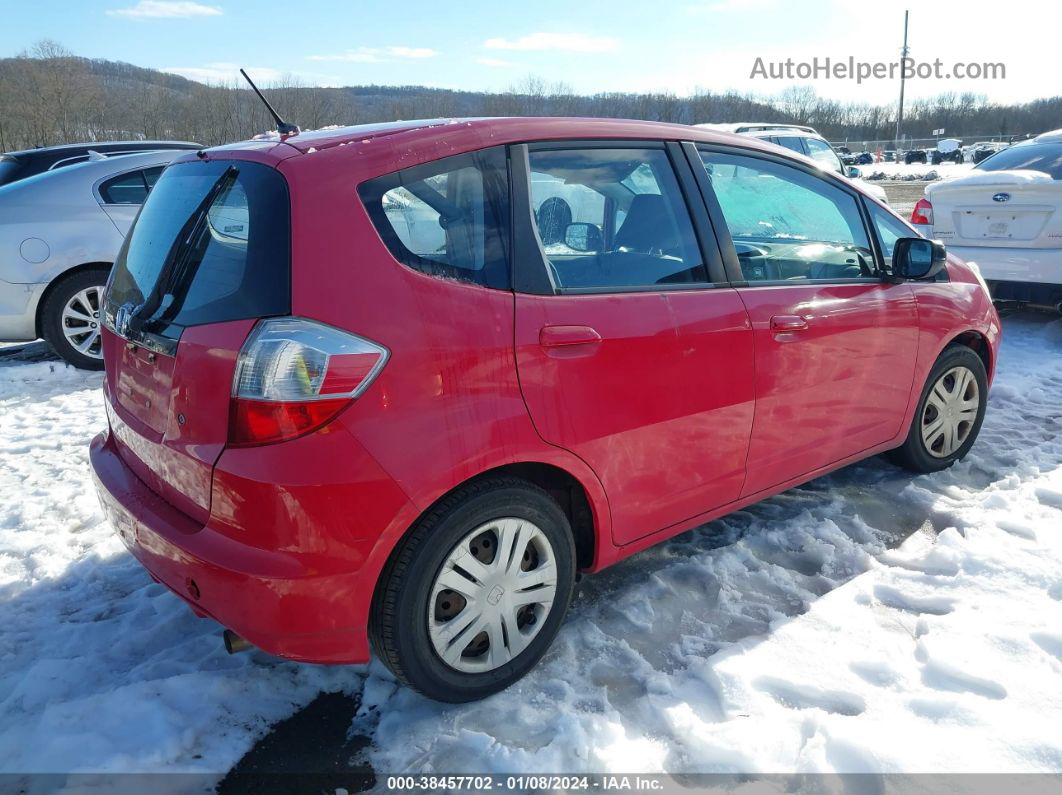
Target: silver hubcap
950,412
492,595
81,322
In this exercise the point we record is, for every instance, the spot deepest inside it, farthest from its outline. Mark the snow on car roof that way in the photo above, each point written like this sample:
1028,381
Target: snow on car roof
1051,137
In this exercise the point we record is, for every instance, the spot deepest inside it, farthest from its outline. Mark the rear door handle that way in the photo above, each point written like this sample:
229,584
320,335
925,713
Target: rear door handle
788,323
567,336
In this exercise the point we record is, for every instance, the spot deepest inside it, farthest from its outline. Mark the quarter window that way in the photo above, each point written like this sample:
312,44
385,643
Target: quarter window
612,218
448,218
131,188
787,224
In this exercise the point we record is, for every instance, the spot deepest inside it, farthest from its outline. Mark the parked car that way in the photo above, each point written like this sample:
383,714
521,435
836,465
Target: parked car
59,233
19,165
889,155
984,151
1006,214
397,384
805,141
915,156
864,159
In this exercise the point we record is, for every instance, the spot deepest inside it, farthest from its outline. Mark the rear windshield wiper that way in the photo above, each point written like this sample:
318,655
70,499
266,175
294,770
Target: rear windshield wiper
175,273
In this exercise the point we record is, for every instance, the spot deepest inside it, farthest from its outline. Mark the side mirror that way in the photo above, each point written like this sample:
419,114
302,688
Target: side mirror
918,258
582,237
854,173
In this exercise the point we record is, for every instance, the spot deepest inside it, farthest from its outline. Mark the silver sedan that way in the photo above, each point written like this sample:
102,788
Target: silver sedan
59,234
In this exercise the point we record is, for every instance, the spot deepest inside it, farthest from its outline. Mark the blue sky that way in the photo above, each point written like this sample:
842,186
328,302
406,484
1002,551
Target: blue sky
621,45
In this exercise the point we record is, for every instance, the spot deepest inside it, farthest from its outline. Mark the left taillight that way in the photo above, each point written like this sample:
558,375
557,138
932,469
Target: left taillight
295,375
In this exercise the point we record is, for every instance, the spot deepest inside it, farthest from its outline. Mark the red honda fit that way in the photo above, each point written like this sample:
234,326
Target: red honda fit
401,382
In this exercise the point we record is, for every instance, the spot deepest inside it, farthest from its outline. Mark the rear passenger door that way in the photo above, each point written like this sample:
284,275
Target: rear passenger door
632,351
835,341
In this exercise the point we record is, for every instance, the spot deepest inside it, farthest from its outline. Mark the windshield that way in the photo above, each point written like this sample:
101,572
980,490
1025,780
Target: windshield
1034,157
210,244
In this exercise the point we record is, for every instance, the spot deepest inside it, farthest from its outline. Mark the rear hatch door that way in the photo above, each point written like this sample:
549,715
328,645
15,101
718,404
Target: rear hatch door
208,255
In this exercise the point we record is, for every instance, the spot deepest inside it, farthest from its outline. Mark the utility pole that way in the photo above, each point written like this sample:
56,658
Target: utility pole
903,55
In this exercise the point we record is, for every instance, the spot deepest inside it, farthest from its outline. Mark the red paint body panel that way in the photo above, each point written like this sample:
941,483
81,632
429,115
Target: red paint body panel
834,388
668,408
660,408
147,393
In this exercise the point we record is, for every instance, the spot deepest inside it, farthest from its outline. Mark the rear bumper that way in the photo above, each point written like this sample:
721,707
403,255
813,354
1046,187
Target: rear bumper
1026,265
281,602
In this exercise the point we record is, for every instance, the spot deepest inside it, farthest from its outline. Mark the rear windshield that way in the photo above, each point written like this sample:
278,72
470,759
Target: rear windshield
211,244
1035,157
9,170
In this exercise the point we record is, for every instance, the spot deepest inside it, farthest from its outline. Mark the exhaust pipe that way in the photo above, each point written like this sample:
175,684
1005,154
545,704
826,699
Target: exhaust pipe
234,644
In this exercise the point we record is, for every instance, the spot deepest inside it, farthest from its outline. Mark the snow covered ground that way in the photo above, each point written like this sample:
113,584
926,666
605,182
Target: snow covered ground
867,621
915,170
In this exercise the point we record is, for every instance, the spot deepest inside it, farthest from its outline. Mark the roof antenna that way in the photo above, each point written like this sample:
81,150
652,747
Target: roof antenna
282,126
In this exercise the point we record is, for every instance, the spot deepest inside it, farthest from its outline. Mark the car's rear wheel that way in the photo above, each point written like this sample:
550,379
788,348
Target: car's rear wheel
71,318
476,593
950,412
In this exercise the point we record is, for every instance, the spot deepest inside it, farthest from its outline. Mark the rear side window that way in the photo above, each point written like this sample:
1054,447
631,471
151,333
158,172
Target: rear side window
125,189
1035,157
789,142
448,218
612,218
211,244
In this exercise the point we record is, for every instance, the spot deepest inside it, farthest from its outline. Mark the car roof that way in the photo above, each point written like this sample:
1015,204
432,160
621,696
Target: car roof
462,135
1051,137
782,133
753,127
73,148
92,170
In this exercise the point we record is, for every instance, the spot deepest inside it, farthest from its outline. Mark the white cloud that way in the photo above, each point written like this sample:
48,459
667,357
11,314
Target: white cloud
571,42
494,62
377,54
229,73
166,9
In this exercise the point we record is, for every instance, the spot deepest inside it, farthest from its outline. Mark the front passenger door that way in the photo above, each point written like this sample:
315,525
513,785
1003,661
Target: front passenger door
835,343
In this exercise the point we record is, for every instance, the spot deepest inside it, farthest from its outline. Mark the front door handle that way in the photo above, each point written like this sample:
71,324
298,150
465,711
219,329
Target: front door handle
567,336
788,323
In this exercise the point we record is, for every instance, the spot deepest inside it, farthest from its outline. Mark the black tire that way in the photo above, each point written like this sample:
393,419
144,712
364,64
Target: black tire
52,315
398,625
914,454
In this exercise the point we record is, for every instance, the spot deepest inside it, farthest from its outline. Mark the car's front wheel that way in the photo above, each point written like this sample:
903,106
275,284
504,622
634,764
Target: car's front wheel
71,318
950,412
475,594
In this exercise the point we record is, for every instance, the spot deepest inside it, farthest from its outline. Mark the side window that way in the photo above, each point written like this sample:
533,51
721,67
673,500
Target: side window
613,218
823,153
787,224
789,142
889,229
151,176
125,189
447,218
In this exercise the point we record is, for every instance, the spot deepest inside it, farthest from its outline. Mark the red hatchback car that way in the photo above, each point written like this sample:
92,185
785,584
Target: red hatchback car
398,384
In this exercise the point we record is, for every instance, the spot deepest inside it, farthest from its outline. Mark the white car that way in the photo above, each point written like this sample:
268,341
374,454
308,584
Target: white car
1006,216
806,141
59,234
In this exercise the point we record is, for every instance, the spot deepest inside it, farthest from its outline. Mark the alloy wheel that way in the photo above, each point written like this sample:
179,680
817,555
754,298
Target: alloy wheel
81,322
